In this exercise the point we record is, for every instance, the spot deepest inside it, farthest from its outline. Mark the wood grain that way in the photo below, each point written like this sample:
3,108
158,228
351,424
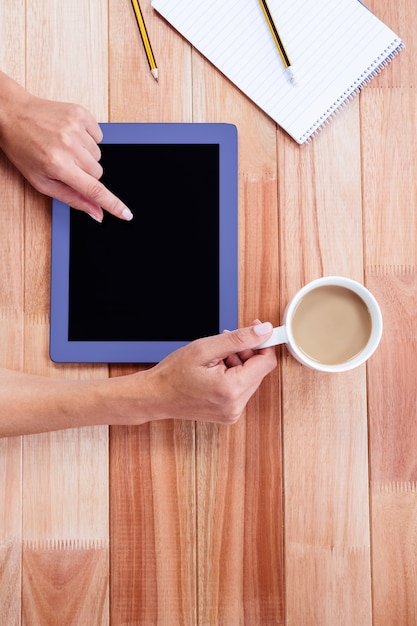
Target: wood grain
389,149
135,95
239,505
10,530
65,475
153,525
392,409
303,513
11,330
67,583
152,468
324,417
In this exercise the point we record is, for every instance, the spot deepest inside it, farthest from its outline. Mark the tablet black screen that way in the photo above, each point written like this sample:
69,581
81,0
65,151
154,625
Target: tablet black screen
155,278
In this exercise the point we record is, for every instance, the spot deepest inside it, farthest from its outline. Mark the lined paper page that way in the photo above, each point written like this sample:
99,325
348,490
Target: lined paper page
334,46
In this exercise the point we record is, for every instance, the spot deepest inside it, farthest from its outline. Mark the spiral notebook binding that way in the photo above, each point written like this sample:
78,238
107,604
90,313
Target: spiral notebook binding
349,94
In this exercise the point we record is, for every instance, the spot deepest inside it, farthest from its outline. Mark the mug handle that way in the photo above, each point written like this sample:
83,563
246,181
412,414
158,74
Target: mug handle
279,335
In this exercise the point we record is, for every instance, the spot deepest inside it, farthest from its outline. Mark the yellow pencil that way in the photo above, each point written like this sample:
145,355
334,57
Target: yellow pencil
278,41
145,39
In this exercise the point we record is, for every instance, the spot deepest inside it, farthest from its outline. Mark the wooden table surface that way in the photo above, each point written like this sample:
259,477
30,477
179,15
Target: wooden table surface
305,512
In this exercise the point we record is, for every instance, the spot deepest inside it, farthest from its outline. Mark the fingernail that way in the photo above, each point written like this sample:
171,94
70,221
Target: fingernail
127,214
263,329
96,218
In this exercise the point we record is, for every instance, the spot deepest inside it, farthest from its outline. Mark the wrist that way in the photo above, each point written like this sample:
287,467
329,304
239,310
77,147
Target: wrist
129,400
13,99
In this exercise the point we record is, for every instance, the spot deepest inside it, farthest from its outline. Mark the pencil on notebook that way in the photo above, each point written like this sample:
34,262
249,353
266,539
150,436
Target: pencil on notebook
278,41
145,39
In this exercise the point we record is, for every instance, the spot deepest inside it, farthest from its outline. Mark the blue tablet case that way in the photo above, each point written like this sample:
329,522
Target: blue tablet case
132,292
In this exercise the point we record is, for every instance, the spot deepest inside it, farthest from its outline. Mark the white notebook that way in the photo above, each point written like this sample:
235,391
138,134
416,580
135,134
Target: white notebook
335,46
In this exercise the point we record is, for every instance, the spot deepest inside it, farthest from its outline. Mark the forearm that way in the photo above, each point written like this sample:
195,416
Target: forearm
210,379
12,97
32,404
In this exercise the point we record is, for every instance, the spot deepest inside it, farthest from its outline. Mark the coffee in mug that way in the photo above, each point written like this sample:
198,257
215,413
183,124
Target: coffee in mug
332,324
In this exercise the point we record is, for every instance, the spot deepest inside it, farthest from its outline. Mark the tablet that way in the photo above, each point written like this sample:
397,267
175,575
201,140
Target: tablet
135,291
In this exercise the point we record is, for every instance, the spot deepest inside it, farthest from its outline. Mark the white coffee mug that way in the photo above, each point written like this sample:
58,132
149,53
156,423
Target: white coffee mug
332,324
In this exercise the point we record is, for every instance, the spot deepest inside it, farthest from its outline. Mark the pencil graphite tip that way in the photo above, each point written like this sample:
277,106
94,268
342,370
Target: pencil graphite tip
154,73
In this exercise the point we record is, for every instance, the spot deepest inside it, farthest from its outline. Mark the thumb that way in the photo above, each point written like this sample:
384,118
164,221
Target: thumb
242,339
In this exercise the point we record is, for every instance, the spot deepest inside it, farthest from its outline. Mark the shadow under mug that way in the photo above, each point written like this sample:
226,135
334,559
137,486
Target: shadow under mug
332,324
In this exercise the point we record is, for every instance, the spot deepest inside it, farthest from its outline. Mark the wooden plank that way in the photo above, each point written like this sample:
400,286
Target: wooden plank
401,18
134,586
65,525
66,582
327,542
65,497
391,274
196,512
135,95
152,524
388,111
390,170
10,534
239,469
152,467
12,29
392,408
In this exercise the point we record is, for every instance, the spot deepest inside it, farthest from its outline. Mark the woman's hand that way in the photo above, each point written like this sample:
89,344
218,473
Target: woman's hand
212,379
54,145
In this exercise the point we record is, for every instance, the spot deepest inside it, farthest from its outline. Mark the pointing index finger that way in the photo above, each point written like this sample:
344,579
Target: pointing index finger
94,191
